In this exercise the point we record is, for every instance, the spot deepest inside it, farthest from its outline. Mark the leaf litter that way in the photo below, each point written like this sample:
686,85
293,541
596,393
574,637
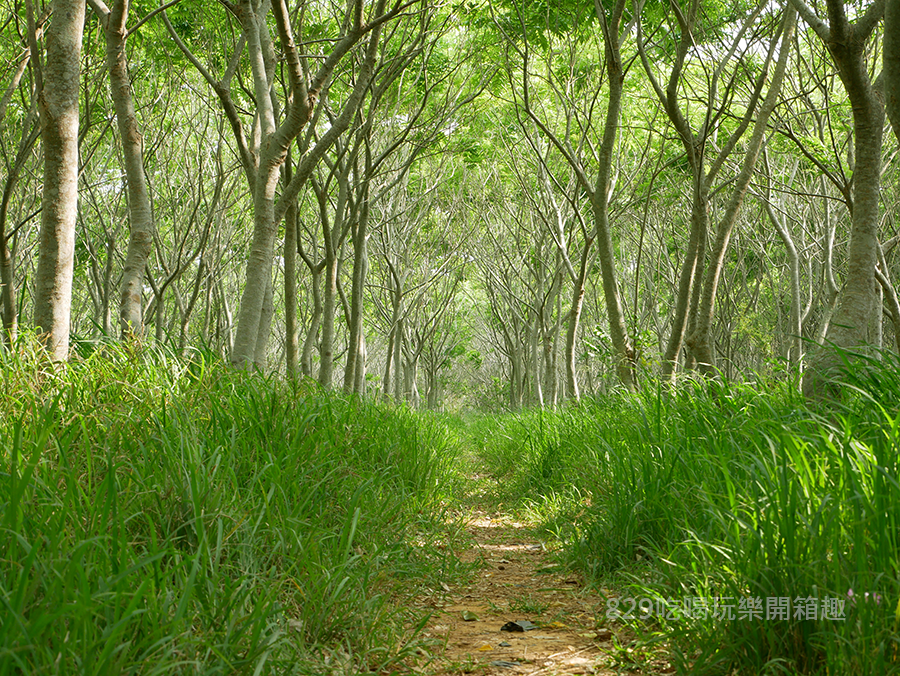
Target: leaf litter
521,614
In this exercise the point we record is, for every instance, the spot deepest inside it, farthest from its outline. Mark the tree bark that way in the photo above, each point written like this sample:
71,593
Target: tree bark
291,332
58,81
260,350
700,341
573,390
795,355
625,358
356,345
848,330
329,307
114,23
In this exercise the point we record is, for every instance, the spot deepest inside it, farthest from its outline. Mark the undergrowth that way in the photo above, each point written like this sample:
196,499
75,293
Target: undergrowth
708,498
170,516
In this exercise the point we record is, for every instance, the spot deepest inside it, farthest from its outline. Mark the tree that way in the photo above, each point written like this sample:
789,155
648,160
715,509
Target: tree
847,43
700,340
57,81
114,22
577,153
264,150
714,86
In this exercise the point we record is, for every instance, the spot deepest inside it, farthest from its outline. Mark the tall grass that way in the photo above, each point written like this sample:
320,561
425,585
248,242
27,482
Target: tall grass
732,492
162,516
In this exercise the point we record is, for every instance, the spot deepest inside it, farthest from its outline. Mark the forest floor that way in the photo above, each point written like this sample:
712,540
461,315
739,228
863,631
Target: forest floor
517,580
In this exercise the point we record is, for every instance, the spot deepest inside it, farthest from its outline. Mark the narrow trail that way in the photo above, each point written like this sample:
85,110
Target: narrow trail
516,581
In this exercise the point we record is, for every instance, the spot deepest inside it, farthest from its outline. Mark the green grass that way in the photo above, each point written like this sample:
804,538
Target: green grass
715,489
162,516
159,515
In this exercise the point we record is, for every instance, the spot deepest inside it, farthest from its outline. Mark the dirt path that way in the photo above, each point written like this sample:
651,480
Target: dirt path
517,581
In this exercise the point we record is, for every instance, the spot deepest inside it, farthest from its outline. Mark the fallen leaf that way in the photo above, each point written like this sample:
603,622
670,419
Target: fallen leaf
469,616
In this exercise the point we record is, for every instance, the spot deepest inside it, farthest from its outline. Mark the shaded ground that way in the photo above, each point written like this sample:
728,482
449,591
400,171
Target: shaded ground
518,581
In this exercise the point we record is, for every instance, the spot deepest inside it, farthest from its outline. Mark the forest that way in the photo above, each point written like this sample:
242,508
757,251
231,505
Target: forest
319,314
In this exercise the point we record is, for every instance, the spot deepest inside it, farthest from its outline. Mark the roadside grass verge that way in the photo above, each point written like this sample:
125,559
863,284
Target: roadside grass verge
703,501
170,516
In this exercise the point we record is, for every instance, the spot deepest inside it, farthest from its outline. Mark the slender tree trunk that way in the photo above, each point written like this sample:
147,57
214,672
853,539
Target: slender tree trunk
359,384
876,323
690,270
848,330
265,327
312,333
625,366
700,341
7,262
292,336
58,106
8,293
107,285
795,356
356,345
890,295
329,307
572,330
388,361
114,23
398,352
536,371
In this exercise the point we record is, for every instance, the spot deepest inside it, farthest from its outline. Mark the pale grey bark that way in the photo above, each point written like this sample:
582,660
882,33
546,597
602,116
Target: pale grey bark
847,43
263,154
618,333
700,341
30,134
354,371
114,22
598,190
704,168
890,295
291,328
265,327
57,91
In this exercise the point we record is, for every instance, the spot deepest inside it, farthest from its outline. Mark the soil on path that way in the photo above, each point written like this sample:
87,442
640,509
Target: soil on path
516,580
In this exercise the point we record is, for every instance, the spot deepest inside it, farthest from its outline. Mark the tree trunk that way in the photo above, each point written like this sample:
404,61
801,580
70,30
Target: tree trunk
292,334
356,345
687,278
329,307
114,24
309,344
849,328
618,334
388,361
700,340
7,263
795,354
258,269
398,352
260,350
58,106
572,330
